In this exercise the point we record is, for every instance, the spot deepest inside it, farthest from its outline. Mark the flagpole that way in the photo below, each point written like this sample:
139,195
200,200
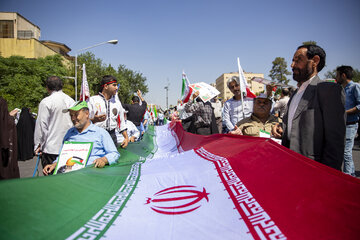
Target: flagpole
83,89
241,87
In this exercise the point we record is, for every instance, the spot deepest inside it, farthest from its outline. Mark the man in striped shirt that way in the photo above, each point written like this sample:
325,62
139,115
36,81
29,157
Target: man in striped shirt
233,111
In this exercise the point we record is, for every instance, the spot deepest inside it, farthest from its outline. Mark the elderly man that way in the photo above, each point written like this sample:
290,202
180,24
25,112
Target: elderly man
260,119
103,151
233,111
106,110
314,122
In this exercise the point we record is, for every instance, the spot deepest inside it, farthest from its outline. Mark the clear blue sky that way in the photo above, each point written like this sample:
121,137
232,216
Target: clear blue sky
162,38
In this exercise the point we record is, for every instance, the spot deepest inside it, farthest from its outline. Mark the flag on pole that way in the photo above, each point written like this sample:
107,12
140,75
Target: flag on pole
155,111
249,93
84,92
242,79
118,119
206,91
246,91
186,90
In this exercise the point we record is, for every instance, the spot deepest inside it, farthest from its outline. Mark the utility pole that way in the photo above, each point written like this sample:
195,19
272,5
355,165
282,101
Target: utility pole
167,90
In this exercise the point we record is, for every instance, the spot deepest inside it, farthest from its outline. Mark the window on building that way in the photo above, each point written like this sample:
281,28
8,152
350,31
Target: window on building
6,29
25,34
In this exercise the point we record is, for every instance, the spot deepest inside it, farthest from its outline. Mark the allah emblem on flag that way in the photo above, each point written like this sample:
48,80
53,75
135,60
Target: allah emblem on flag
177,200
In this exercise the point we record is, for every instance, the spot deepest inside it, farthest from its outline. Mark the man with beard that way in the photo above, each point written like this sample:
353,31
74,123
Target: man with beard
314,123
103,151
260,119
106,110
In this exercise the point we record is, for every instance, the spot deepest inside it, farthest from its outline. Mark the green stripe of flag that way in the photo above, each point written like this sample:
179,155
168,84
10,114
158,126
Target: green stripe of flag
28,211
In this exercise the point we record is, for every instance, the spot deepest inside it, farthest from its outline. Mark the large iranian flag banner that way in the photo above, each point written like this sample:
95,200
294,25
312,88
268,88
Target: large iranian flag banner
177,185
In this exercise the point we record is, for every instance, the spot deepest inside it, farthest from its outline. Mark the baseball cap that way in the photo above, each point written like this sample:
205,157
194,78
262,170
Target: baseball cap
77,106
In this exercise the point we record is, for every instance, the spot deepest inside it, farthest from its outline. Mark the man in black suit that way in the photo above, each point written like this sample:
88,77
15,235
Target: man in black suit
314,123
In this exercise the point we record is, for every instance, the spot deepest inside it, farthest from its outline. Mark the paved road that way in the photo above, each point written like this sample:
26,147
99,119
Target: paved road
356,158
27,167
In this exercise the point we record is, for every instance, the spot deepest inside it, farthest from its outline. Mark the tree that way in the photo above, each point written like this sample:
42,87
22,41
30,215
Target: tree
279,71
22,80
95,70
310,43
332,74
130,81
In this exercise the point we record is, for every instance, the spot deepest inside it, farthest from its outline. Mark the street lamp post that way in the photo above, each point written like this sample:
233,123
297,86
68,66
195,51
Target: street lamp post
167,89
76,54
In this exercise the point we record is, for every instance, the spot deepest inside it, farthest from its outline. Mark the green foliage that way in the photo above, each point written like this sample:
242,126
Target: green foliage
94,71
22,80
310,43
130,81
279,70
356,77
332,74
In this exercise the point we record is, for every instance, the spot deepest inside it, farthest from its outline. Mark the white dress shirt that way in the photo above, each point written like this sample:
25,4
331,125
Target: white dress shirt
51,123
295,102
217,108
113,110
182,113
132,131
280,106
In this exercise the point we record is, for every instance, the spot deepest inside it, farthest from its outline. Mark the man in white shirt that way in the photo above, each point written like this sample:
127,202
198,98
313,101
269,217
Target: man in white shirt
106,110
280,106
160,118
233,111
314,123
132,131
216,104
52,124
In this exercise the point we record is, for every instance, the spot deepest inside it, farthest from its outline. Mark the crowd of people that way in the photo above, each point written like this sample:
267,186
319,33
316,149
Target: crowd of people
319,119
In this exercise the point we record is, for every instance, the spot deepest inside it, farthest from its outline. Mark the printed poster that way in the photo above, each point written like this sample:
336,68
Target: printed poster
265,134
206,91
73,156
